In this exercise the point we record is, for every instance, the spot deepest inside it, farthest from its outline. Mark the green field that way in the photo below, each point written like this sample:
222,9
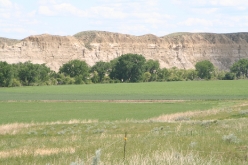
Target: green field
194,122
185,90
27,112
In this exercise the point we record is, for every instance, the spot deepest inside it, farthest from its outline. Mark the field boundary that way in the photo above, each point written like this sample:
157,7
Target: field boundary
101,101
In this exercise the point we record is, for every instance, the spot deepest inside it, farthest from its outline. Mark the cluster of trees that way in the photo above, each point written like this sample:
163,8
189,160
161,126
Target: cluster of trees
126,68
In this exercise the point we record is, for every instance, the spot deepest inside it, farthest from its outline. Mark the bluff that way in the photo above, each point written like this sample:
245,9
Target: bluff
181,50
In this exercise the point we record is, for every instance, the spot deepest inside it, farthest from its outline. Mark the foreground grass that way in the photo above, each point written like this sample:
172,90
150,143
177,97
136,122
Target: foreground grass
185,90
186,140
51,124
27,112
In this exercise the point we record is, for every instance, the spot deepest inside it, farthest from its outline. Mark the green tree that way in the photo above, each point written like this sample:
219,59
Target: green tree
147,76
128,68
191,74
176,74
218,74
152,67
6,74
240,68
75,68
96,78
79,80
163,74
102,68
62,79
31,74
204,69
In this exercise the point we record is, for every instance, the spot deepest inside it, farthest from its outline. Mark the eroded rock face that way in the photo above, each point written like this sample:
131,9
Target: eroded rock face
182,50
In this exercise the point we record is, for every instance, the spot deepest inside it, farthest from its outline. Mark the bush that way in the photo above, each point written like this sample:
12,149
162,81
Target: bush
106,79
79,80
229,76
88,81
146,76
15,83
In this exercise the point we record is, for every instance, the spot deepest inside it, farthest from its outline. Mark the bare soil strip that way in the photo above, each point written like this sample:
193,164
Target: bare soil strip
102,101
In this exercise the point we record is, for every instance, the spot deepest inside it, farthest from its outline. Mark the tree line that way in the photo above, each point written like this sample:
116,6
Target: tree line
126,68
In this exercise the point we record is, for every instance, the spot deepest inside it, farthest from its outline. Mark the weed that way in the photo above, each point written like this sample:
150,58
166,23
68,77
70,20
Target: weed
96,158
182,118
98,131
61,132
231,138
207,123
78,162
32,133
157,130
193,144
243,112
44,133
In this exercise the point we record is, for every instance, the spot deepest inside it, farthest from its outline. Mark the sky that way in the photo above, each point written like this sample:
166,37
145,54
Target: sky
22,18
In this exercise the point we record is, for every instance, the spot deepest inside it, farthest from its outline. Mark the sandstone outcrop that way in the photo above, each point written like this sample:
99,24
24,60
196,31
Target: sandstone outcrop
180,50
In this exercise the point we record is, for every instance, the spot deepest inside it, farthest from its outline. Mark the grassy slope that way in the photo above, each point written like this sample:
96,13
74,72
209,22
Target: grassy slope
194,90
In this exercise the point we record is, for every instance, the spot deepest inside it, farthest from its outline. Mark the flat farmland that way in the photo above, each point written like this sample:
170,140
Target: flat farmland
185,90
27,112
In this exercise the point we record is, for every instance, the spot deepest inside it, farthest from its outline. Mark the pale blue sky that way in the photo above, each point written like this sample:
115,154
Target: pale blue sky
21,18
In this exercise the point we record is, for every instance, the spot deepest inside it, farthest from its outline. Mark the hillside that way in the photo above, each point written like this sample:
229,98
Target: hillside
181,50
8,41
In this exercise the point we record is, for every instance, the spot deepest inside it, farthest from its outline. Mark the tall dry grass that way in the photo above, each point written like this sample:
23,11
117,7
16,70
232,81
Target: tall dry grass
14,128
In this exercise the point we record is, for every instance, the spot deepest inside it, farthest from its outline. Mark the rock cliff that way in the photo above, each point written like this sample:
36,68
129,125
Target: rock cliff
181,50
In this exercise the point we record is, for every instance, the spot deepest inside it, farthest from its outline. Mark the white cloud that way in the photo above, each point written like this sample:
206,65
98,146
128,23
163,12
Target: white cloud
45,10
242,8
5,15
205,10
68,8
15,19
196,21
18,30
52,8
5,3
230,3
138,29
105,12
32,13
8,9
45,2
96,22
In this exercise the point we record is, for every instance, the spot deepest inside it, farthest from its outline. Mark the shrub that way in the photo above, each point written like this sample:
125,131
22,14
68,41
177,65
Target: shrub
231,138
79,80
96,159
15,83
229,76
